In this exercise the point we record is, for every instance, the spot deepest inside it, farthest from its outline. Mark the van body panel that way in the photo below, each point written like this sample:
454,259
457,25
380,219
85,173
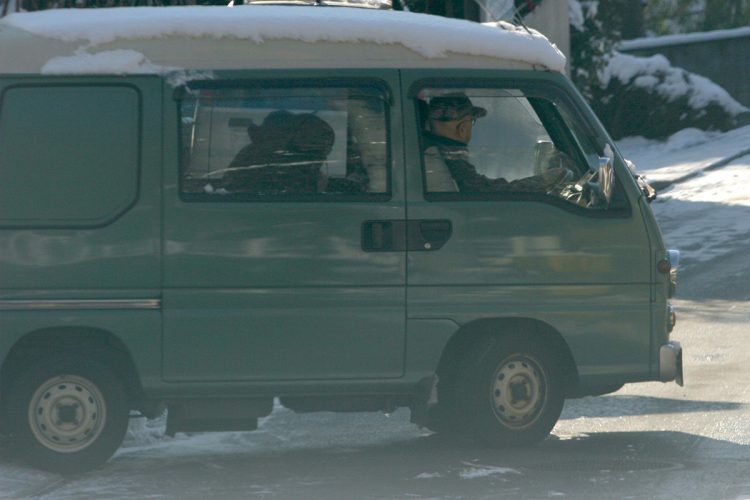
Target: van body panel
257,290
426,342
139,329
378,387
50,256
580,313
203,54
277,334
61,273
78,194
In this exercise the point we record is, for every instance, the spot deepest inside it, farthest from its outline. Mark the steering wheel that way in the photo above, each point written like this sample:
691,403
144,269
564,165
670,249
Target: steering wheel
559,179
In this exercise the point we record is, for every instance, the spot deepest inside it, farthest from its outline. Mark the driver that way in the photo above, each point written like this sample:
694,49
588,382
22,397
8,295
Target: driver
449,125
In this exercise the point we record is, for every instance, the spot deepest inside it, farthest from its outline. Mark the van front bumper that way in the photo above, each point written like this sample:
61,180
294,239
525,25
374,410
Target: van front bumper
670,362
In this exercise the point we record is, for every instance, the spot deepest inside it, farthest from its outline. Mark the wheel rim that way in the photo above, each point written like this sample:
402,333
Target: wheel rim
518,391
67,413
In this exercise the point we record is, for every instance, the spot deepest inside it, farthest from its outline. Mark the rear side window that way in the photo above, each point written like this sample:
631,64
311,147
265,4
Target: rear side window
260,141
70,154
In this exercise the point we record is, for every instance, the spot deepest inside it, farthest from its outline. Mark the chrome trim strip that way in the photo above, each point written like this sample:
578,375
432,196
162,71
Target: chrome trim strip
78,304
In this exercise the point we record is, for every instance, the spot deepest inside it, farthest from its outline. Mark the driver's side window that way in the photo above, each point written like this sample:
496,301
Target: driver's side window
487,143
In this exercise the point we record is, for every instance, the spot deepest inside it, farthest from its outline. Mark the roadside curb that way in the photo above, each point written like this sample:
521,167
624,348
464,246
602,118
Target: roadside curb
662,185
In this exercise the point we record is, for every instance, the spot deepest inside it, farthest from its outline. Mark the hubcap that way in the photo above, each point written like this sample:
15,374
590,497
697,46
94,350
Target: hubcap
518,391
67,413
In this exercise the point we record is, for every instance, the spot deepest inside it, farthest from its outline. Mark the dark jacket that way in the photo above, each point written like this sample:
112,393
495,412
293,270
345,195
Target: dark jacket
456,157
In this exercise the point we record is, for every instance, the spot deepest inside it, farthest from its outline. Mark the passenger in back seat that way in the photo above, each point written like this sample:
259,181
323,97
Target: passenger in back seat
284,157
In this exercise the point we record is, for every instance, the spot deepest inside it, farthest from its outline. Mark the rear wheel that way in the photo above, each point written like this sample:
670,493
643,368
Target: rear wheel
67,415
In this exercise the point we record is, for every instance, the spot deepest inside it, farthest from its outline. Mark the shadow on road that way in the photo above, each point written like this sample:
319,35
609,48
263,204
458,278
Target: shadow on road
628,406
712,238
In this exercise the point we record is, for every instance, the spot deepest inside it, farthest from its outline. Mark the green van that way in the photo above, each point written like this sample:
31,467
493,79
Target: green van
205,209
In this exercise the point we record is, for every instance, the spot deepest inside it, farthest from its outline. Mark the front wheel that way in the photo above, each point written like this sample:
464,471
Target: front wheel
67,415
514,392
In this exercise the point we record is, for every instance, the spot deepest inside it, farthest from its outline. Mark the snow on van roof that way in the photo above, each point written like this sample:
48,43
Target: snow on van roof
84,32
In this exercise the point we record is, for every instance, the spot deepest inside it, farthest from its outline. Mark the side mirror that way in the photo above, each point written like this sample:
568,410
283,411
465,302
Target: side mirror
646,188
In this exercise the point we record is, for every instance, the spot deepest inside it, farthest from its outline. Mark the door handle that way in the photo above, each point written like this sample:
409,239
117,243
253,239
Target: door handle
383,236
427,235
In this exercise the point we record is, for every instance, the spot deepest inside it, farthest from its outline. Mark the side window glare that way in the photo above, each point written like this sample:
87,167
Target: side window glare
283,144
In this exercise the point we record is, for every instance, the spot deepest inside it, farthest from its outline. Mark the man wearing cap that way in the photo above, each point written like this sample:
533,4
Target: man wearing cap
450,121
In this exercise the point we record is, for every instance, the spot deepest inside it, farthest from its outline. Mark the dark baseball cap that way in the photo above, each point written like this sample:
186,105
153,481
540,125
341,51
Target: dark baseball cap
451,107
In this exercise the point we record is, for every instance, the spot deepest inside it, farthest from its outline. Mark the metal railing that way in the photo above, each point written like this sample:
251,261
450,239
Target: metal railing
11,6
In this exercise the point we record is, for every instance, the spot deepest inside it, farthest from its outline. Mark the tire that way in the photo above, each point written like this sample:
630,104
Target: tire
449,415
513,394
67,415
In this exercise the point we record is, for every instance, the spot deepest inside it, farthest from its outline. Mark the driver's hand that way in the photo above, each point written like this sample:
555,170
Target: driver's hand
555,176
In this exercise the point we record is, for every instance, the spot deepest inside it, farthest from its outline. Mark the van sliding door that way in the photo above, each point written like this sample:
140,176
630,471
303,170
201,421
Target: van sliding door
284,256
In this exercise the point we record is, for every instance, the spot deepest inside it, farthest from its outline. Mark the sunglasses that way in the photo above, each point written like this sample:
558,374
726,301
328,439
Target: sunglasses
473,119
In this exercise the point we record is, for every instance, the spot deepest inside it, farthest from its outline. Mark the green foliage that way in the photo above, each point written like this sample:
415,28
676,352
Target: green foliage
592,44
447,8
625,104
32,5
628,109
665,17
723,14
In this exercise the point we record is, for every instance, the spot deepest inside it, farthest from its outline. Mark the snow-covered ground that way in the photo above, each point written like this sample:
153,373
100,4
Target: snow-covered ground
707,209
685,153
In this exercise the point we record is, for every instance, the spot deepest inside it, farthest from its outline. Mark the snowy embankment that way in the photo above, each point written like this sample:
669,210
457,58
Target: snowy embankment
685,153
656,74
706,214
